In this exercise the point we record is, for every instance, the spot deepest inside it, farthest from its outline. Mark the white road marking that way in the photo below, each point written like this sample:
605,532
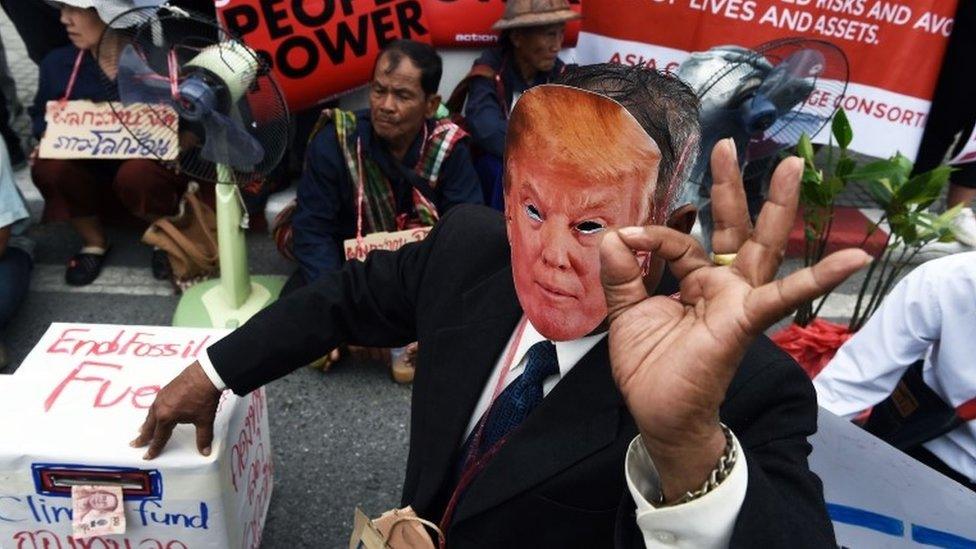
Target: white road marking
113,280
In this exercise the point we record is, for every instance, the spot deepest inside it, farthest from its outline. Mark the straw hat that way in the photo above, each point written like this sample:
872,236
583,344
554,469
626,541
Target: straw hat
534,13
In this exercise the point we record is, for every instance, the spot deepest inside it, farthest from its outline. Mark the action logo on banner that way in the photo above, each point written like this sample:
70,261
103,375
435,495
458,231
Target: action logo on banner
467,23
893,49
320,48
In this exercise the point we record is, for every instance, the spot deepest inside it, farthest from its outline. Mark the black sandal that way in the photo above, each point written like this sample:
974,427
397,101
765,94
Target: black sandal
84,268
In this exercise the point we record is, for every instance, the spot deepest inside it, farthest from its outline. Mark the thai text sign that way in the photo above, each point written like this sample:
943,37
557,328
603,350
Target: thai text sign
893,48
358,249
79,398
87,130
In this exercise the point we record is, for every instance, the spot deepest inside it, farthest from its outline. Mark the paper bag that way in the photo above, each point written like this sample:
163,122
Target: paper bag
394,529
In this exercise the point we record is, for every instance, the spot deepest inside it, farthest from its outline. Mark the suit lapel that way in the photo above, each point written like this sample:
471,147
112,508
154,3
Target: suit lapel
463,360
579,417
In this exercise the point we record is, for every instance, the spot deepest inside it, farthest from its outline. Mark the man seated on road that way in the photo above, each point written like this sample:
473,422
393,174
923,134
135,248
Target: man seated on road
409,167
549,411
386,168
527,55
922,335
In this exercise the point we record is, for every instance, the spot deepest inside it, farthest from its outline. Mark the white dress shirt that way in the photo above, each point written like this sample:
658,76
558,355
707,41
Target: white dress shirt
930,314
704,523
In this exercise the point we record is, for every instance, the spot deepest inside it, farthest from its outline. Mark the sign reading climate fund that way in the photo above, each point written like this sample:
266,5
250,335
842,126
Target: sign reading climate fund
894,49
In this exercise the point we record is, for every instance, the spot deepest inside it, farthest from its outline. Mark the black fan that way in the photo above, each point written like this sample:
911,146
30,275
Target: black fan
759,97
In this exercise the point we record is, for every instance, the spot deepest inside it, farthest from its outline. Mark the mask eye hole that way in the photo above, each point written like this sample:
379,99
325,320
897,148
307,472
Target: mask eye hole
533,212
589,227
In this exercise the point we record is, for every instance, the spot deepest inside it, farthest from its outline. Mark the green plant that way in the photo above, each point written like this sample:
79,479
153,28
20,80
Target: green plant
819,189
905,200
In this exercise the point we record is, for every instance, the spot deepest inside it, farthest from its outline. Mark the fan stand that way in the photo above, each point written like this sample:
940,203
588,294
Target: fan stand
236,296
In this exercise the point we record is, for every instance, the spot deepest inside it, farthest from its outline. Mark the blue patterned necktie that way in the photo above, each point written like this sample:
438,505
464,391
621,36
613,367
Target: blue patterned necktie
521,396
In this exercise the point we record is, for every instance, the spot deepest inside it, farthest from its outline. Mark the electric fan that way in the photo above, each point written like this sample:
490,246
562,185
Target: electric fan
764,98
231,124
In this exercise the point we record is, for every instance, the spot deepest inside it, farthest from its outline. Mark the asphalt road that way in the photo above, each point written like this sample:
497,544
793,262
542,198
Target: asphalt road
339,438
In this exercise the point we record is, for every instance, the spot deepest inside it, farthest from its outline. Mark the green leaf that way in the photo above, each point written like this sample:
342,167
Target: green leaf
879,169
804,148
845,166
880,191
841,128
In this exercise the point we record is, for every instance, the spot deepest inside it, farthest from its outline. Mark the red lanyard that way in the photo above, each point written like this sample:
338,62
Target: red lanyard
472,470
74,76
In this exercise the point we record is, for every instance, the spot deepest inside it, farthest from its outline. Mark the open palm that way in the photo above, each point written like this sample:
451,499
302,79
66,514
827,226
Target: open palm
674,357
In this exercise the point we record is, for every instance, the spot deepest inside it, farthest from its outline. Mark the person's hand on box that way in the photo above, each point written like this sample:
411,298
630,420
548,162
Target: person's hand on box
190,398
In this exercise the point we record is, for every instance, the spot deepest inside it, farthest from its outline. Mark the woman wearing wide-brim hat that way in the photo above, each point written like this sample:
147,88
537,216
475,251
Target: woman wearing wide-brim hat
87,192
527,55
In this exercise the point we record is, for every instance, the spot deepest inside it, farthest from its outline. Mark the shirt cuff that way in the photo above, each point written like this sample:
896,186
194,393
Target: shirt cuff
701,523
212,375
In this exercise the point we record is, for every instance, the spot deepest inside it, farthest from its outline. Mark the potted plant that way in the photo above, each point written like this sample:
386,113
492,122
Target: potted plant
904,201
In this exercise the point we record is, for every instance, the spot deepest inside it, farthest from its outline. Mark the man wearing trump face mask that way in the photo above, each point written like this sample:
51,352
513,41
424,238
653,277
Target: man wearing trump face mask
556,403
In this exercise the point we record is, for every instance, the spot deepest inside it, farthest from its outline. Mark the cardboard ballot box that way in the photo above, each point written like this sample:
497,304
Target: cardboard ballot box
67,416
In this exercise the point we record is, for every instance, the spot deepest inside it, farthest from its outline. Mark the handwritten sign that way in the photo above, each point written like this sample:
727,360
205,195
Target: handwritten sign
79,398
879,497
88,130
391,241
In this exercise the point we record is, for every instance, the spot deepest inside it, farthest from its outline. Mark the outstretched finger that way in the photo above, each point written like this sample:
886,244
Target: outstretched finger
160,437
205,430
145,431
774,300
730,210
759,259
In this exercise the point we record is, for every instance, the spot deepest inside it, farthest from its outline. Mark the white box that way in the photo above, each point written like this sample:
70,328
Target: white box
69,412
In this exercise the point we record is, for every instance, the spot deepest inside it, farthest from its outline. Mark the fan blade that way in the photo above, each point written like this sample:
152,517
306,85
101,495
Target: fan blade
138,83
226,142
790,82
784,133
716,124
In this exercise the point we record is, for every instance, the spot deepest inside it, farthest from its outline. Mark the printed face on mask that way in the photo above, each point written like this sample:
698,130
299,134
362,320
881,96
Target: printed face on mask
559,205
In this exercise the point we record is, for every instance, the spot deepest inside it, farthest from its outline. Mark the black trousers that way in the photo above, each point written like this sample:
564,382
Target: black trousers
9,136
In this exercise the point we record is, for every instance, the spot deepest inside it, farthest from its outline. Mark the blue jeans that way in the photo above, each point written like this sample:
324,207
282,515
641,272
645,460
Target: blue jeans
15,268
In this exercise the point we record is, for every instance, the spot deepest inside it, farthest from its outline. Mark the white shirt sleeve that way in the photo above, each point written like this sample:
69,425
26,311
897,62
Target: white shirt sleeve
867,368
208,368
703,523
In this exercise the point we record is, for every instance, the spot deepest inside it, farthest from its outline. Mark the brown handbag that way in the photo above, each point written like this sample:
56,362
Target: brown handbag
189,237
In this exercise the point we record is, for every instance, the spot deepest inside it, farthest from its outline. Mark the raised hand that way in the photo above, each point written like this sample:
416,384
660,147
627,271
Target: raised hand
673,359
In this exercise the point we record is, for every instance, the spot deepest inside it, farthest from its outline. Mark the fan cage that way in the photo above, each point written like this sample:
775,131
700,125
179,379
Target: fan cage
260,110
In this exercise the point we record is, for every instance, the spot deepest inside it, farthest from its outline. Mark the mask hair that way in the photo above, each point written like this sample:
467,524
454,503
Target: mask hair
665,108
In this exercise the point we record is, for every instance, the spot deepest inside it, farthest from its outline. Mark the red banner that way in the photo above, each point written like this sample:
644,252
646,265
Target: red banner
467,23
320,48
894,49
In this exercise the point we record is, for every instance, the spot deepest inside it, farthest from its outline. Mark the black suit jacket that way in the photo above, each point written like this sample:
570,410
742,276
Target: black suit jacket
559,481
